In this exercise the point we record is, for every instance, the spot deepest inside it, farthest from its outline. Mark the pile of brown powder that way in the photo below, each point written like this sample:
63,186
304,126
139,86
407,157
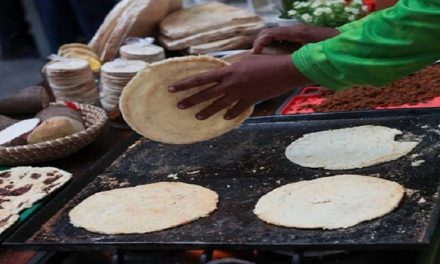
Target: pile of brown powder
415,88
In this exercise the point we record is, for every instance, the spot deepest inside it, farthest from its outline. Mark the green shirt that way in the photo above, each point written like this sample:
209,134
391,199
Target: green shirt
377,49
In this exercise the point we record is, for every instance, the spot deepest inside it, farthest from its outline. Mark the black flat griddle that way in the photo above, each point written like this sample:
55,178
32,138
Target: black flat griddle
243,165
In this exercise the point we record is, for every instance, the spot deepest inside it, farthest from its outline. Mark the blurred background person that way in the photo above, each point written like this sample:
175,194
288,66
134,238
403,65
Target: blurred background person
63,21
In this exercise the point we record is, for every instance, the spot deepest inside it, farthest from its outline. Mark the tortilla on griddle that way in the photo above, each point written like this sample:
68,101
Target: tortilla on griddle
339,201
348,148
144,208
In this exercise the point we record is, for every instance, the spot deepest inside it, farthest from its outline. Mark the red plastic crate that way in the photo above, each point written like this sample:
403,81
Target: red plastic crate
311,96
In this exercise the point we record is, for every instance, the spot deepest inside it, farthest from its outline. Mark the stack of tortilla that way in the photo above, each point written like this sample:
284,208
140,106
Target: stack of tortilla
208,28
114,77
149,53
71,80
81,51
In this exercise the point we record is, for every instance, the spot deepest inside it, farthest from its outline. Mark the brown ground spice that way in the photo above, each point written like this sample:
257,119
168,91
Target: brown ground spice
416,88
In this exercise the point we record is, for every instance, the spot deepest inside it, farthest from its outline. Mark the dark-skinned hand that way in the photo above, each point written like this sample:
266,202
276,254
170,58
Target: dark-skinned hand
301,34
241,85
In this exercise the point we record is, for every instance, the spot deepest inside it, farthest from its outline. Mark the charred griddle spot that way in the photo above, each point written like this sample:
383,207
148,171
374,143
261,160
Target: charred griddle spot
20,190
51,179
48,188
5,174
3,200
4,221
35,176
50,174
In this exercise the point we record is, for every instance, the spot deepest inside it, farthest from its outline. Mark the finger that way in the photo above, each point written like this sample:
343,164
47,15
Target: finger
237,109
261,42
201,96
215,107
196,81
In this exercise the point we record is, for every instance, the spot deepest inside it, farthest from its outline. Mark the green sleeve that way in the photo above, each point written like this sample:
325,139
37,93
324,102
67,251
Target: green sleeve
393,43
355,24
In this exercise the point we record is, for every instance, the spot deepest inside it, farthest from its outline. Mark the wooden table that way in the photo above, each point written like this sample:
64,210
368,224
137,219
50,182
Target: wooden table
110,139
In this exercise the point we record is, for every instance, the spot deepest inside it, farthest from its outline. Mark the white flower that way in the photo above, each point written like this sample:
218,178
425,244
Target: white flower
331,2
352,10
357,2
292,12
298,5
322,10
315,4
317,12
365,8
306,18
327,10
351,18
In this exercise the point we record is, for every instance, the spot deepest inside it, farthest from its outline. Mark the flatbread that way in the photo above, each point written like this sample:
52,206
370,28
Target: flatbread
129,18
21,187
174,5
144,208
348,148
243,41
7,219
151,110
211,35
99,39
200,18
331,202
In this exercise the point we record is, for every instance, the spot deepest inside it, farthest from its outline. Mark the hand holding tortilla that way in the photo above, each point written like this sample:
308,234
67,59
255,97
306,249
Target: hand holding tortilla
240,85
151,110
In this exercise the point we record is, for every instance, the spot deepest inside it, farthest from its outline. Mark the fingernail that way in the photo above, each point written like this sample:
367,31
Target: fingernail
200,117
181,106
171,89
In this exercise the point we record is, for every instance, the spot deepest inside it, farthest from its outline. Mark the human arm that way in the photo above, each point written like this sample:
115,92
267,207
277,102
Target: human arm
240,85
389,45
301,34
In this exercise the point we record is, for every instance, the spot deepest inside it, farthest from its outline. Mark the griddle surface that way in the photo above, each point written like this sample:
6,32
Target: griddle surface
241,167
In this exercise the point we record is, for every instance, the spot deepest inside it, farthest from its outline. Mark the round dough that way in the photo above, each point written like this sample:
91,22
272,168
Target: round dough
151,110
144,208
348,148
331,202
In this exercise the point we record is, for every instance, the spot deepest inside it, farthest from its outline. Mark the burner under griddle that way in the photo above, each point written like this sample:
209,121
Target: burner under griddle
232,257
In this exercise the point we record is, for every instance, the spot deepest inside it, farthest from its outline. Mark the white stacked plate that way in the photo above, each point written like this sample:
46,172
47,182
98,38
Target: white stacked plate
148,53
114,77
71,80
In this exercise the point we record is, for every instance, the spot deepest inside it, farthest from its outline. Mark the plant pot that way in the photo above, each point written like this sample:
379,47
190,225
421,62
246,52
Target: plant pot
287,22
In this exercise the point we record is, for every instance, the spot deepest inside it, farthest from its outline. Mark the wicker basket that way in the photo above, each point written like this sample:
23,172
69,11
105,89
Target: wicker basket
94,120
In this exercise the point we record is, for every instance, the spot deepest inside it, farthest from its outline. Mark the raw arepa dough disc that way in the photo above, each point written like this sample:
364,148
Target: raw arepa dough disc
331,202
144,208
348,148
151,110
